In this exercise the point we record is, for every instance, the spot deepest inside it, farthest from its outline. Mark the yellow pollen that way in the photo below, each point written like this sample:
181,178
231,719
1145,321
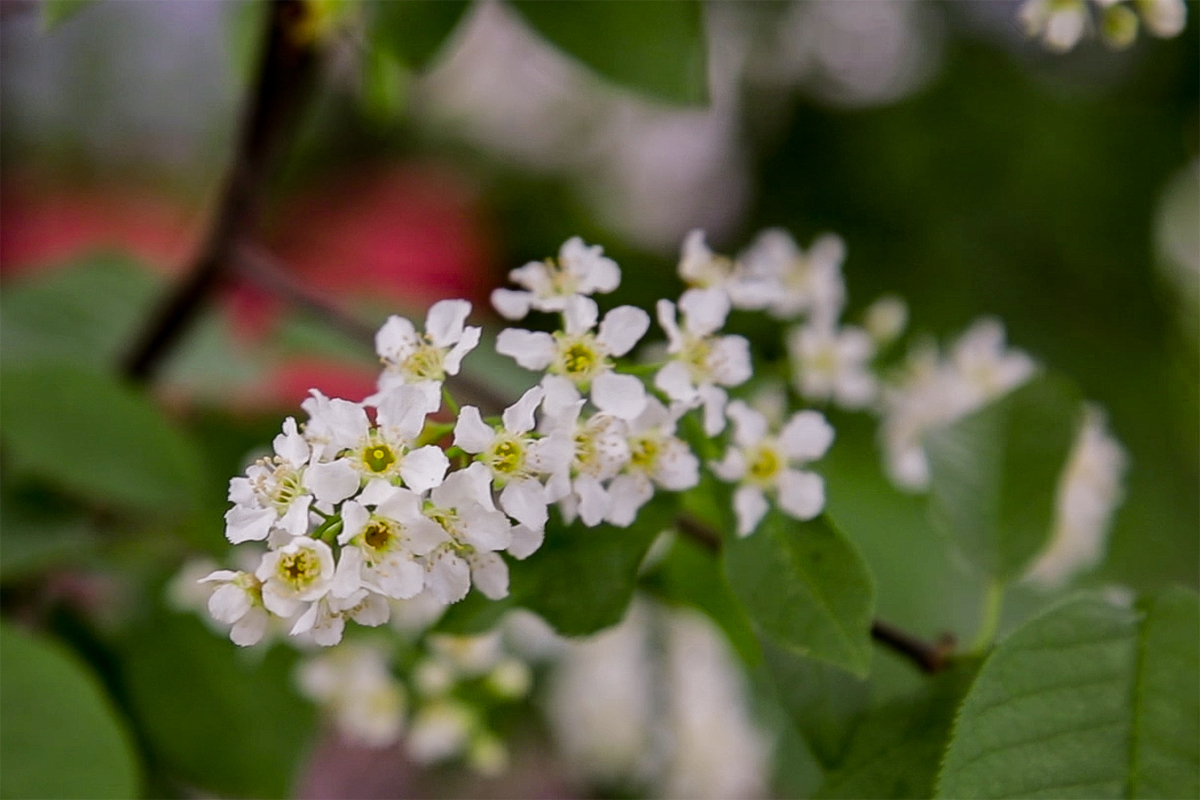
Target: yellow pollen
377,535
764,464
643,452
299,568
425,363
506,456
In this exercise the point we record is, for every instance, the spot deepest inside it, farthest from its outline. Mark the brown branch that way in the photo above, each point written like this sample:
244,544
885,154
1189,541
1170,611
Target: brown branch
928,657
286,76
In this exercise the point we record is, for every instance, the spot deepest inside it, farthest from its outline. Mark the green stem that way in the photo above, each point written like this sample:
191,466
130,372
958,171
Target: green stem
989,618
450,402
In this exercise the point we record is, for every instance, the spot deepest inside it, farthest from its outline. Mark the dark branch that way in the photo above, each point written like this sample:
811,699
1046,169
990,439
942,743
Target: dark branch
286,76
926,656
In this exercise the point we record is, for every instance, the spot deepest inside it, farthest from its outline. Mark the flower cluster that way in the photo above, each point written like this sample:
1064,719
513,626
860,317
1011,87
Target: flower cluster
1060,24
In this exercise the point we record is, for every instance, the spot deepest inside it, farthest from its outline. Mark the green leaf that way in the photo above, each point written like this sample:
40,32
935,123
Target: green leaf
825,703
55,12
994,474
34,535
894,752
582,579
224,719
691,575
1086,700
96,437
413,31
806,587
59,734
653,46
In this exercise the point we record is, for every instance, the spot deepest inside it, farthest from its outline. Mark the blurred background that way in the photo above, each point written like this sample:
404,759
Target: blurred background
968,170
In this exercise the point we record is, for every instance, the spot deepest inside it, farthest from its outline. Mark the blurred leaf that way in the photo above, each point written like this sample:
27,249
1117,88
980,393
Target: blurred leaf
692,575
92,435
227,720
85,312
385,86
826,703
59,734
35,535
413,31
896,750
1086,700
55,12
994,474
805,586
653,46
582,579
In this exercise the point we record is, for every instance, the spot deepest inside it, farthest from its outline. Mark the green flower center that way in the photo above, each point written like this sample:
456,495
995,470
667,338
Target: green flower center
765,463
378,535
425,363
643,452
287,488
506,456
299,569
578,358
378,457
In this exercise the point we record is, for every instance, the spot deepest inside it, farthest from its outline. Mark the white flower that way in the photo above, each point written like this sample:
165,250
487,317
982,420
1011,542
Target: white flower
238,602
701,362
380,547
832,364
600,451
355,686
463,507
515,457
762,463
299,572
1089,491
584,358
1059,23
580,270
424,360
702,269
381,450
440,731
274,492
886,319
985,366
803,283
1163,18
325,620
656,456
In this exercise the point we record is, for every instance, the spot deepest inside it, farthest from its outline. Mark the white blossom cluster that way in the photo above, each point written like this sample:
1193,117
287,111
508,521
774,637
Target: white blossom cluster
1061,24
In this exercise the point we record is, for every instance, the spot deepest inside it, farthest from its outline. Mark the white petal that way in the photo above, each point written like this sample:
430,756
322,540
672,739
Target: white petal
399,577
801,494
749,426
290,445
295,521
444,323
627,493
580,315
453,359
533,350
347,422
594,501
448,578
673,379
525,542
622,396
401,505
622,328
347,578
396,339
750,506
704,310
561,399
511,304
377,491
306,621
714,409
219,576
229,603
471,433
666,320
490,575
525,501
423,535
465,487
677,467
729,361
249,629
731,467
248,524
354,518
424,468
487,530
402,411
373,611
333,482
518,418
806,436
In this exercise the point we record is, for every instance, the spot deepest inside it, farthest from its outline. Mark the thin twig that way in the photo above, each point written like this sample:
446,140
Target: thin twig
928,657
286,76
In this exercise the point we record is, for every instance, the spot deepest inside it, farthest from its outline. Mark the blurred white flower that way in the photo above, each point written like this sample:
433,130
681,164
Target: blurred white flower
579,270
656,456
238,601
886,319
761,462
1089,490
354,685
832,364
801,282
1060,24
701,268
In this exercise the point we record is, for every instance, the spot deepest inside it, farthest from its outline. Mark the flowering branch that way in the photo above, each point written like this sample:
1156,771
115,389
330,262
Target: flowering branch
285,79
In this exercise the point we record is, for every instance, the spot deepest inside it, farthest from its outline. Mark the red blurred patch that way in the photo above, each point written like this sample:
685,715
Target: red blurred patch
291,380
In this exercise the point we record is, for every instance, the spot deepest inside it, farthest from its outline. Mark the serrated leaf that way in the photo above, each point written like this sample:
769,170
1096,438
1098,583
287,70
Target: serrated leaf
825,703
60,736
97,438
994,474
807,588
1087,700
222,718
413,31
895,751
653,46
